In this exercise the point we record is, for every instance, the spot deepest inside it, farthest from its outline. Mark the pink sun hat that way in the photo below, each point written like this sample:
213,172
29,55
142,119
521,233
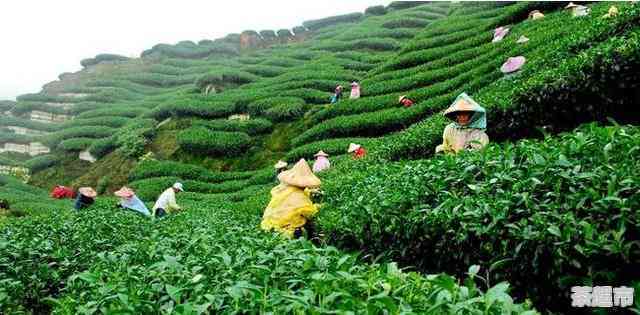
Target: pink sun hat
499,33
125,192
513,64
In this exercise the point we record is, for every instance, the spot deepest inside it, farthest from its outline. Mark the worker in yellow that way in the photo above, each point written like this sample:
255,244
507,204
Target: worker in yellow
291,208
466,132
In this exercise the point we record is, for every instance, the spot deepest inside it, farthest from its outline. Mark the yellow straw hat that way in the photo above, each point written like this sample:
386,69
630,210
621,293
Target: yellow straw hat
401,98
300,175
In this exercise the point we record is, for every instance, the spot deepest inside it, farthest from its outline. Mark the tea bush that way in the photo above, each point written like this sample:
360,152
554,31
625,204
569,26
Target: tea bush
101,147
54,139
41,162
552,212
251,127
129,112
75,144
285,112
375,10
84,257
200,140
113,122
132,138
321,23
151,168
260,106
102,58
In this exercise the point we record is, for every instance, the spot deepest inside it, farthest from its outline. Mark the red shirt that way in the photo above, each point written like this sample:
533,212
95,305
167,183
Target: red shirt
406,102
359,153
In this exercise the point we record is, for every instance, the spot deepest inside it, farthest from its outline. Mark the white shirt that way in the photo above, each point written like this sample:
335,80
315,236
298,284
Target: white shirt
167,201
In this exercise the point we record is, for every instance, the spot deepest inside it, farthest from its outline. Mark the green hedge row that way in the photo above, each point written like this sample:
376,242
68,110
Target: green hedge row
333,20
285,112
75,144
102,58
264,70
161,80
149,189
151,168
101,147
259,107
365,32
201,140
191,50
375,44
6,105
52,140
546,215
234,77
10,137
193,105
406,23
119,111
6,120
24,107
251,127
375,10
108,121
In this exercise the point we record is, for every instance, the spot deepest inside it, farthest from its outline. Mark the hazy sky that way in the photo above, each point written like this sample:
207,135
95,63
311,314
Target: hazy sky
41,39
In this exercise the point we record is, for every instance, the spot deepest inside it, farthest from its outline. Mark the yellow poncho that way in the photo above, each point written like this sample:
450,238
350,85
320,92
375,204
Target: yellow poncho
289,209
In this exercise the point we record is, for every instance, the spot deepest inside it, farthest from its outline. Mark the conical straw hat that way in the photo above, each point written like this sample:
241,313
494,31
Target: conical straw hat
280,164
571,5
513,64
321,153
300,175
613,11
88,191
522,39
125,192
463,103
353,147
401,98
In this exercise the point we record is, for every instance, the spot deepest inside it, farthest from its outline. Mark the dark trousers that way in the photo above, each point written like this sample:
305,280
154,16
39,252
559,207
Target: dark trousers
309,228
160,213
83,202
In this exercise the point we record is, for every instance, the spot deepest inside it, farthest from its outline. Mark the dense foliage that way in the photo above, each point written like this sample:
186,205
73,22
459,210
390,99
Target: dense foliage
555,213
201,140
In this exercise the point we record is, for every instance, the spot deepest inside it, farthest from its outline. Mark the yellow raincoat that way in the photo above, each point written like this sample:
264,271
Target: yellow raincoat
289,209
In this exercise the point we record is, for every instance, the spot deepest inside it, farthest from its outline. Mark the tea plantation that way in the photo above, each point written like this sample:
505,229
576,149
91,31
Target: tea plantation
550,204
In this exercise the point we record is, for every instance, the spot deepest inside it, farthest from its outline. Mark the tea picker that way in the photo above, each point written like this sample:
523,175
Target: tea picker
357,150
355,90
129,200
166,203
405,101
337,95
466,132
86,197
322,162
291,209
